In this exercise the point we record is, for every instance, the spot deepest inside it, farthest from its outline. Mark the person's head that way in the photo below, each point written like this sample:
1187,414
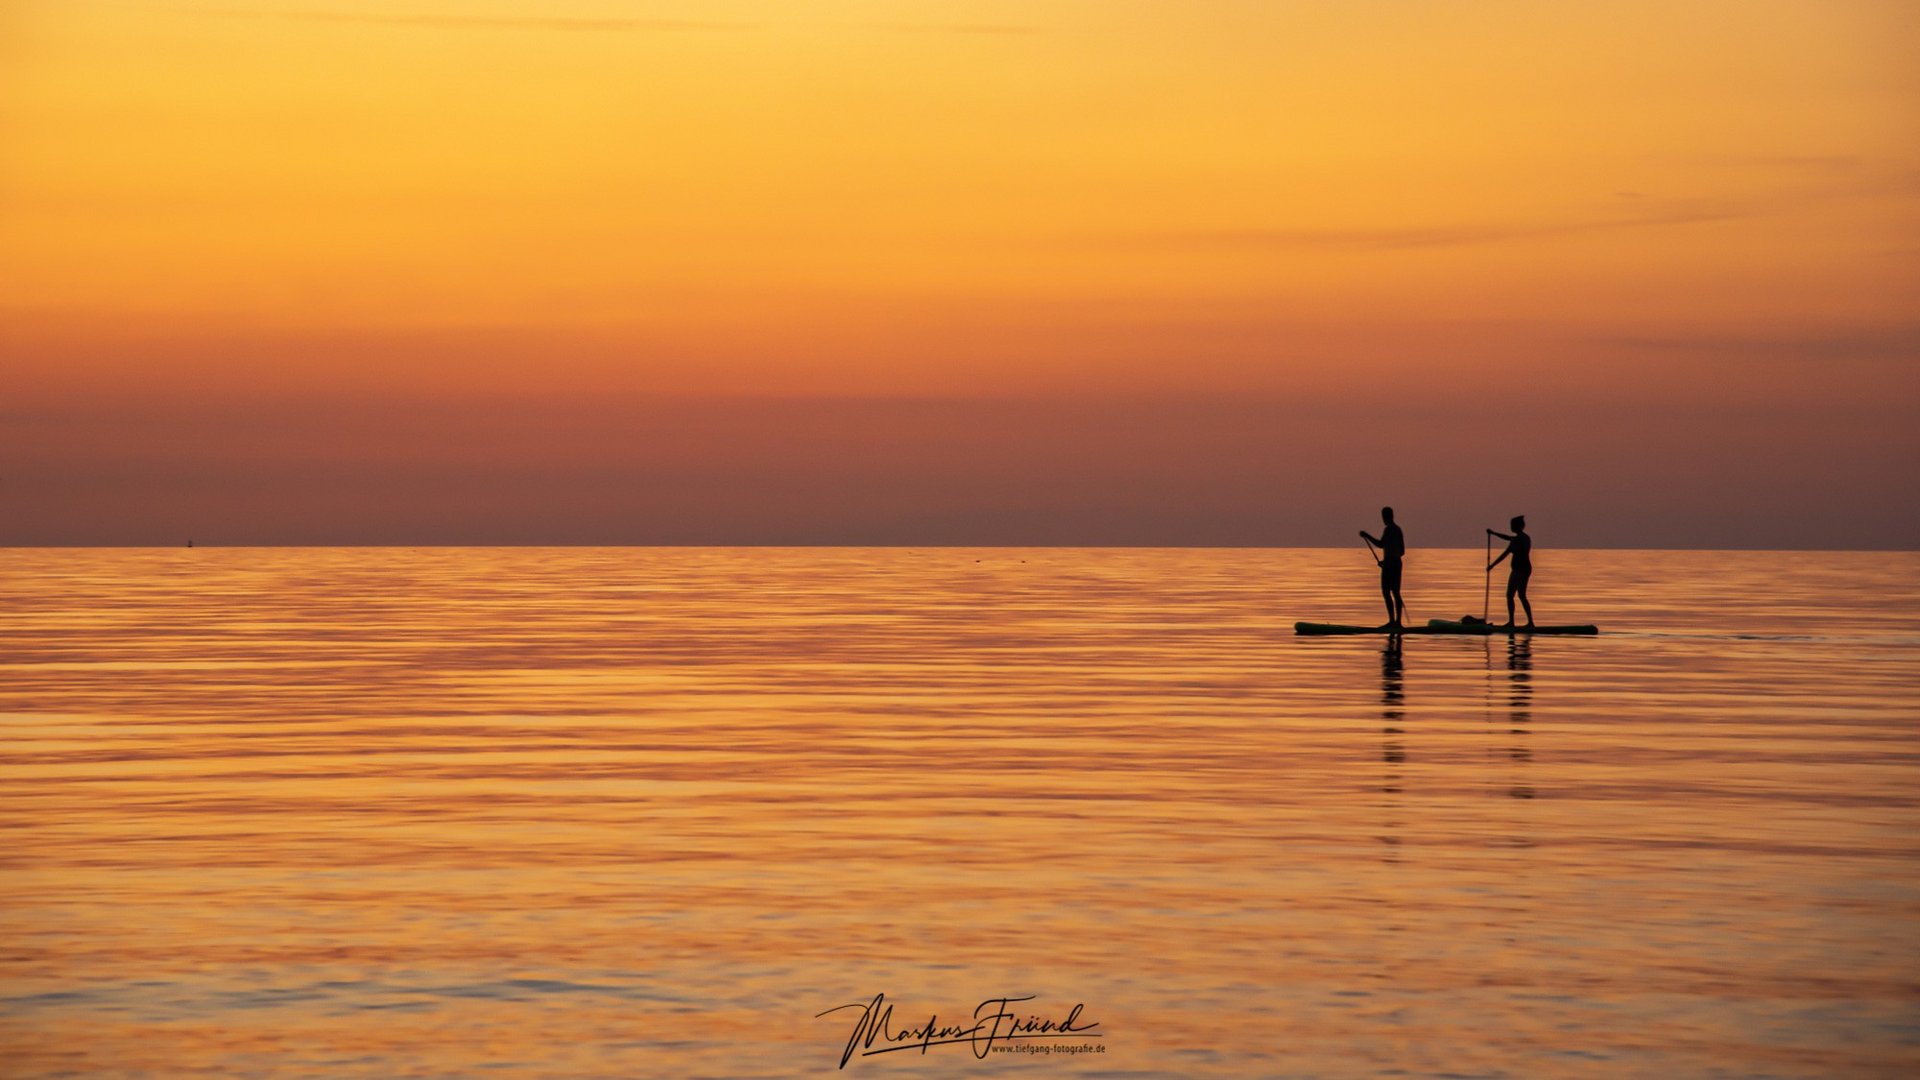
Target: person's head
1518,524
1386,514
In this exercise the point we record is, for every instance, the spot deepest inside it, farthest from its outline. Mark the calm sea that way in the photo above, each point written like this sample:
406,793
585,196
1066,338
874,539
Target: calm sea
647,812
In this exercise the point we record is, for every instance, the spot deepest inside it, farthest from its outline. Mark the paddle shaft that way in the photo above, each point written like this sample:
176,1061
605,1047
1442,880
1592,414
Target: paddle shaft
1486,593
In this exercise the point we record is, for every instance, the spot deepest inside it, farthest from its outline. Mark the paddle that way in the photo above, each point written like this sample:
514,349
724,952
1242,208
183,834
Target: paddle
1486,592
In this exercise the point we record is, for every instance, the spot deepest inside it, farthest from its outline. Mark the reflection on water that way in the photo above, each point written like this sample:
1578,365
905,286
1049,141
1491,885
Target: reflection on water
1393,750
1519,706
612,812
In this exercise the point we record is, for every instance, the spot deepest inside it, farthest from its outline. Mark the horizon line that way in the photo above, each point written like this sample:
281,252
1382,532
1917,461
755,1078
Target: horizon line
923,547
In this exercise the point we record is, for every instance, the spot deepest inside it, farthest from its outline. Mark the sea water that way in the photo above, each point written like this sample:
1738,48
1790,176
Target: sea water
652,812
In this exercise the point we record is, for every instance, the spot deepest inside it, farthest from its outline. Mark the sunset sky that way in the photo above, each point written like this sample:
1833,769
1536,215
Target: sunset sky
1087,272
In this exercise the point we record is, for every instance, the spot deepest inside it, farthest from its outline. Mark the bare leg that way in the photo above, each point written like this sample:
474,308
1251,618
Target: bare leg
1525,603
1510,591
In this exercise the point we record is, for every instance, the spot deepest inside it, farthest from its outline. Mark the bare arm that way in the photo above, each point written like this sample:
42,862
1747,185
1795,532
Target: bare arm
1371,544
1504,554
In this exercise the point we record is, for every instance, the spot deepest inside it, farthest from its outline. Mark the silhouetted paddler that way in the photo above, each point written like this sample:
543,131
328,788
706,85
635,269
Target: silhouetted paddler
1520,547
1393,548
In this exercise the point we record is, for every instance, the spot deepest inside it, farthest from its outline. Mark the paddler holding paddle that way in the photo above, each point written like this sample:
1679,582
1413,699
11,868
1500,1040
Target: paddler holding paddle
1520,546
1393,547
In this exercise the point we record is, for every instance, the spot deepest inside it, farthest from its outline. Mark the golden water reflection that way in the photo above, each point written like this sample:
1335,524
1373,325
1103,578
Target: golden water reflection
626,812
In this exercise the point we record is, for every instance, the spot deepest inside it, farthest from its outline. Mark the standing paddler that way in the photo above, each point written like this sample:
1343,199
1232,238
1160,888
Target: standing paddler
1393,548
1520,546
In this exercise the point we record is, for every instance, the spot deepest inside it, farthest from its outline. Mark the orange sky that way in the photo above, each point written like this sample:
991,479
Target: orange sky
1220,271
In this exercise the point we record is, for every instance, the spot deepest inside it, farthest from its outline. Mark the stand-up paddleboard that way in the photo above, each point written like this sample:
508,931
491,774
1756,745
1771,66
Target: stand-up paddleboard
1448,626
1438,626
1319,628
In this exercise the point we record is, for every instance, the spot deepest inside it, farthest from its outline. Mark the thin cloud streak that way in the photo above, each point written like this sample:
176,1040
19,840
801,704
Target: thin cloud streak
1898,343
981,29
1633,210
1438,236
481,22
